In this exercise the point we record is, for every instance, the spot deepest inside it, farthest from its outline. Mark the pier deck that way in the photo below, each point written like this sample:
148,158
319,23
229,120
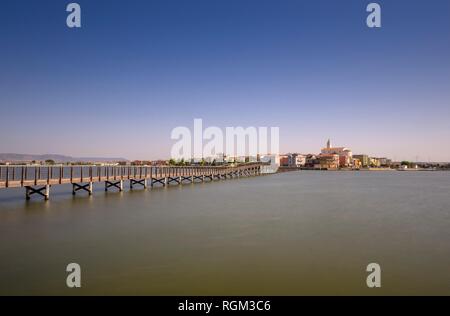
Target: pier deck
38,179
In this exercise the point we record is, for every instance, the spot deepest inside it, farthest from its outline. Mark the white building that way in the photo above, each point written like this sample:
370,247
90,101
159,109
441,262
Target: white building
296,160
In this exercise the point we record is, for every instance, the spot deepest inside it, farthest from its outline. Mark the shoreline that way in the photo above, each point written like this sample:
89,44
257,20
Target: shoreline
291,169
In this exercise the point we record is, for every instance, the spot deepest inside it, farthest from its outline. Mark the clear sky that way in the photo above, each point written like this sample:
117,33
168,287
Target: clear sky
137,69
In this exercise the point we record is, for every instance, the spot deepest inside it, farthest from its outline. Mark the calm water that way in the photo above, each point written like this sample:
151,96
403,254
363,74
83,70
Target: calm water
293,234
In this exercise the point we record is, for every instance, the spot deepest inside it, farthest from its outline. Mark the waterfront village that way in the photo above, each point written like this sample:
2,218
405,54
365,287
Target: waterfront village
329,158
339,158
342,158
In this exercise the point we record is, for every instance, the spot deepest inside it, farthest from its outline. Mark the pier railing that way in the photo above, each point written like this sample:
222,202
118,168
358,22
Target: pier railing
27,176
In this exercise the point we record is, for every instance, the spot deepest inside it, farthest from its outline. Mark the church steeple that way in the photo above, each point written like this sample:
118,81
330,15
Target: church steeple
329,143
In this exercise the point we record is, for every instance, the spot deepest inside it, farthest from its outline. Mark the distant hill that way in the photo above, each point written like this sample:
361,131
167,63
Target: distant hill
55,157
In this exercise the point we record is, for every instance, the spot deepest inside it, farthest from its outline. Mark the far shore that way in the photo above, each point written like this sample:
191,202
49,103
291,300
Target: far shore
289,169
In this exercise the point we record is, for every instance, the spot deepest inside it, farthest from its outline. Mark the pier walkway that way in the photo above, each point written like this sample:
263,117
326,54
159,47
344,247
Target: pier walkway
37,180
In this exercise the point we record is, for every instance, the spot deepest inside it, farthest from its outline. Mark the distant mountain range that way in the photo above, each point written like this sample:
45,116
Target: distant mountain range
56,158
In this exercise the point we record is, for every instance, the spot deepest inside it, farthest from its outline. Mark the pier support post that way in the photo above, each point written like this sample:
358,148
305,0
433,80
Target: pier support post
177,180
201,178
30,191
86,187
142,182
185,178
117,184
162,181
47,192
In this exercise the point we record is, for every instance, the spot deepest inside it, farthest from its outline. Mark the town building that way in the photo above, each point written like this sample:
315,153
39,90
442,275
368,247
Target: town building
293,160
345,155
385,162
312,162
375,162
329,161
300,160
284,160
296,160
357,163
364,160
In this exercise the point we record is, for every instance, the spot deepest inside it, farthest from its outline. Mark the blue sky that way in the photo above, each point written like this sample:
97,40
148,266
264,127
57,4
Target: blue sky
137,69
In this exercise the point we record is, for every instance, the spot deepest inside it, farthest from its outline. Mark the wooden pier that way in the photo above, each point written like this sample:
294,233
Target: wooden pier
37,180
